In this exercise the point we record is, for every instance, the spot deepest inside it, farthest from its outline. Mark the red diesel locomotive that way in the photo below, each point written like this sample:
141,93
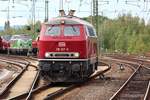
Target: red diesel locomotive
67,49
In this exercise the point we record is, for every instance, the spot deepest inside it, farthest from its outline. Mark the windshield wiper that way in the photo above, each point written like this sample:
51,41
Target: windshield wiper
73,28
50,28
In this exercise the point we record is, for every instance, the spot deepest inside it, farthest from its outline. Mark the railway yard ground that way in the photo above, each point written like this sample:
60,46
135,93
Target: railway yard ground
101,88
19,79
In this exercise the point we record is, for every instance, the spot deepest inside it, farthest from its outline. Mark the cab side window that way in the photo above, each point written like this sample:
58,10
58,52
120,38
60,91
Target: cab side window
91,31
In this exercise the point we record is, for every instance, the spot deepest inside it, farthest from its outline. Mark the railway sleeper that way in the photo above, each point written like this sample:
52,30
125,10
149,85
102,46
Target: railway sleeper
138,82
144,77
130,97
131,92
135,85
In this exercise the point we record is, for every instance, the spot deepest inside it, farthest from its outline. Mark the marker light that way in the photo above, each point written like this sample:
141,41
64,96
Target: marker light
62,22
76,54
46,54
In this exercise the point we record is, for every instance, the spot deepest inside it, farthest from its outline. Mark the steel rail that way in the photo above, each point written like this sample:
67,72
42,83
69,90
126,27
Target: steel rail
13,63
37,90
27,62
2,58
134,59
20,57
32,58
24,95
23,66
62,90
33,85
124,85
147,94
15,78
132,65
34,66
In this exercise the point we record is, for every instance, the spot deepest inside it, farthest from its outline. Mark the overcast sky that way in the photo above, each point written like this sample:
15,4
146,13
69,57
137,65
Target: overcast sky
20,10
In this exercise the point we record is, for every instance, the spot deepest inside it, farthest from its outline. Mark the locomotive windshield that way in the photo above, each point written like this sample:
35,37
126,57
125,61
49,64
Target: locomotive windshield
71,31
53,30
68,30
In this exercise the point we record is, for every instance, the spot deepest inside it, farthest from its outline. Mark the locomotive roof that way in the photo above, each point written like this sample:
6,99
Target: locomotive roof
68,20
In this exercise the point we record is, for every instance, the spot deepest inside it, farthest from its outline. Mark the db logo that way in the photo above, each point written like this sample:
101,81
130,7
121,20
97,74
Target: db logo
61,44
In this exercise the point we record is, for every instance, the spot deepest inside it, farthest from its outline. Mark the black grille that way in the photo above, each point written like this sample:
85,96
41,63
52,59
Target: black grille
61,55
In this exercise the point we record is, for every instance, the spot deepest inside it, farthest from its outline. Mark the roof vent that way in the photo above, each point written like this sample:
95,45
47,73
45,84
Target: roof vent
62,12
71,13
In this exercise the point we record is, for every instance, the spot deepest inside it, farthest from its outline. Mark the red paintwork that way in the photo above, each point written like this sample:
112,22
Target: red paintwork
86,46
92,47
34,44
4,44
1,43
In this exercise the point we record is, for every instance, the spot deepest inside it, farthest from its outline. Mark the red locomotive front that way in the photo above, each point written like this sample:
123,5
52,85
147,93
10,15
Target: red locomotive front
66,51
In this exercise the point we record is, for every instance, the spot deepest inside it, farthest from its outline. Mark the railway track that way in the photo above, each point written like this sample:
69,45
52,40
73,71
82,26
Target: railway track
144,60
62,91
19,68
48,91
53,90
137,87
32,61
22,58
23,81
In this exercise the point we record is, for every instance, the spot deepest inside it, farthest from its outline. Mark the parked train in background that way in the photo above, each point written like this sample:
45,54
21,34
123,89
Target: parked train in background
20,44
67,49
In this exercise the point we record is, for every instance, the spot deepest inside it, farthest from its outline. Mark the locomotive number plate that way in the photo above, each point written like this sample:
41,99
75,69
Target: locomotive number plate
61,44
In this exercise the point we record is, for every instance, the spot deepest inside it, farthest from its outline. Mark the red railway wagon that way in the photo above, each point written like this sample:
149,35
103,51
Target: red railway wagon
67,49
1,44
4,45
35,46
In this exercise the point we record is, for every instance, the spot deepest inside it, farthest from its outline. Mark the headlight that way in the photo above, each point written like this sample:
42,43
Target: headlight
46,54
76,54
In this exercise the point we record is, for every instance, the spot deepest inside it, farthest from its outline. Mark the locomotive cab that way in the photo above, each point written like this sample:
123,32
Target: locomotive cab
67,52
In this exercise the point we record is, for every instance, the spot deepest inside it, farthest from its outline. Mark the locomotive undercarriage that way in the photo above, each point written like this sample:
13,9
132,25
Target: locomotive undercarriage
19,51
66,71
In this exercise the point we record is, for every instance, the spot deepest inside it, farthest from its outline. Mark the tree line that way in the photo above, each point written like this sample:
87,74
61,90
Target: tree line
125,34
30,29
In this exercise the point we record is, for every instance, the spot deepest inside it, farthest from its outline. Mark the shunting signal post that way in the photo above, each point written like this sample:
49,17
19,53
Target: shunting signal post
46,10
95,22
95,14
